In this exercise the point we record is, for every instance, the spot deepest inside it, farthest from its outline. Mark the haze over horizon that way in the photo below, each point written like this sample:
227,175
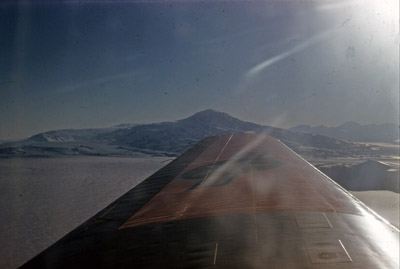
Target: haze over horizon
82,65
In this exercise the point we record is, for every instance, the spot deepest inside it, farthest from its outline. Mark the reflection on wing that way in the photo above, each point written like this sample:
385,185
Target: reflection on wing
243,201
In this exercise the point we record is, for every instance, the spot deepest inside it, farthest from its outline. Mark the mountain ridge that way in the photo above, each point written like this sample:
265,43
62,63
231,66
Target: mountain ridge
201,125
354,132
169,138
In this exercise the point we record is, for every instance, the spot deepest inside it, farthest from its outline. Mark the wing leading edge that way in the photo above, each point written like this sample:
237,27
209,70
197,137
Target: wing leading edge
241,201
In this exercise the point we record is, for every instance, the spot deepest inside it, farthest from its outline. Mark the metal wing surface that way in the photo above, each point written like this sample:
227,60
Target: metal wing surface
235,201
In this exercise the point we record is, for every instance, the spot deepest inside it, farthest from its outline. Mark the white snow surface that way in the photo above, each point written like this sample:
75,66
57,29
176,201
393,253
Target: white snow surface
42,199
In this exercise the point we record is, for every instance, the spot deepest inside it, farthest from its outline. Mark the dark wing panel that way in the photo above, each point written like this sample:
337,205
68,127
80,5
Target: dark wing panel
241,201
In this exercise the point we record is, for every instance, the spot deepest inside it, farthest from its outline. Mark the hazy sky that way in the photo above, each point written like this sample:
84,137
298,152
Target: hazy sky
93,64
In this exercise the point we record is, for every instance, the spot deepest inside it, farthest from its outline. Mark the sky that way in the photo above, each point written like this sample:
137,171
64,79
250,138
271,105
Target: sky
83,64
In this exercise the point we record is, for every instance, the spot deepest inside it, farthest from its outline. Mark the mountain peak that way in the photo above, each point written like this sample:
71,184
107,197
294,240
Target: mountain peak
209,114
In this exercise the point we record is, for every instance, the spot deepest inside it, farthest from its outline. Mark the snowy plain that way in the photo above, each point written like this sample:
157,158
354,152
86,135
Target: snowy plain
42,199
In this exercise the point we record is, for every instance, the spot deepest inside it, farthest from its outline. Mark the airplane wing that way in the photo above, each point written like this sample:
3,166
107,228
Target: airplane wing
235,201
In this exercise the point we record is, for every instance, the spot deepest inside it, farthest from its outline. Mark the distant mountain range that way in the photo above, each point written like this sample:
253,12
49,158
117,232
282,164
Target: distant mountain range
169,138
181,134
354,132
74,135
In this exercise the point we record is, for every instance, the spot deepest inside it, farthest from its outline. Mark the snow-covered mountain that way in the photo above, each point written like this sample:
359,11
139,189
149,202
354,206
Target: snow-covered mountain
67,135
352,131
179,135
169,138
75,135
